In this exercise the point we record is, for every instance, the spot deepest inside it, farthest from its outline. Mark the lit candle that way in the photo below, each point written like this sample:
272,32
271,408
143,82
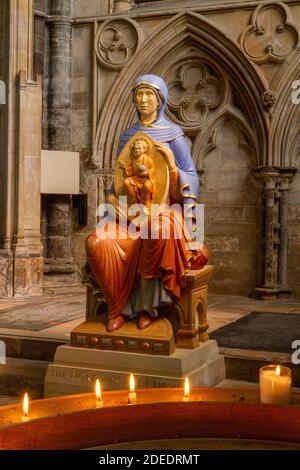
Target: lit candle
275,385
132,394
186,395
99,401
25,416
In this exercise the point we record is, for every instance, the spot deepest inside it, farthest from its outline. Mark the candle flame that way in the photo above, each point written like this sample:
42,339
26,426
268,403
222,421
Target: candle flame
98,390
277,372
186,388
25,405
132,383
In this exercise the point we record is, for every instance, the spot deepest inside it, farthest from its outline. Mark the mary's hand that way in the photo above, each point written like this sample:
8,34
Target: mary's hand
168,155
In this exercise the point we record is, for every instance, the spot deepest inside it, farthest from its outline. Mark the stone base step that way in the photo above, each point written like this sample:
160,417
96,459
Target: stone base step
244,365
18,376
33,348
75,370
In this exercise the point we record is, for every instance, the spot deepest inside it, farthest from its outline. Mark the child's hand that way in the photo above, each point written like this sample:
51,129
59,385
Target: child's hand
143,171
122,164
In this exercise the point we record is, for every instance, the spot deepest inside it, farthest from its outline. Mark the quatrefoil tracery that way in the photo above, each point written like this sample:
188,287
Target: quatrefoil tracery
116,42
271,35
194,93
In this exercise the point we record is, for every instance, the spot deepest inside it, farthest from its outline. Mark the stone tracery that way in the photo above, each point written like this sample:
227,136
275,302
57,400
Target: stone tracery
116,42
271,35
195,92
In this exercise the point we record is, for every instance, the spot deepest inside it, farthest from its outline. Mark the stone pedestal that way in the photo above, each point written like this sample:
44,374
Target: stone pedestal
75,370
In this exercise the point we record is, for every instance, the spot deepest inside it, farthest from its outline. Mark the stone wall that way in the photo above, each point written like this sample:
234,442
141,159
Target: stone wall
230,196
82,86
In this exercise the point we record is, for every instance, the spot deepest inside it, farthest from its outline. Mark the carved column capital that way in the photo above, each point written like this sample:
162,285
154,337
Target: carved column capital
105,179
268,177
108,180
286,177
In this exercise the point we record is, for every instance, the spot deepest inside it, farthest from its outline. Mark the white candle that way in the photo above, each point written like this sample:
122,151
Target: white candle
25,416
132,394
186,396
99,402
275,385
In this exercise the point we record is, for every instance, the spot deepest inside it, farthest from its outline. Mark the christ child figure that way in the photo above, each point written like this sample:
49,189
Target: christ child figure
138,181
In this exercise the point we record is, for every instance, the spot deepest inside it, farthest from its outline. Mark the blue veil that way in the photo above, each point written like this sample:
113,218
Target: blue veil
168,133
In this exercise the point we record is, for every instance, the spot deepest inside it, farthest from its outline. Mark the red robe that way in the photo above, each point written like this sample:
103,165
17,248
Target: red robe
118,264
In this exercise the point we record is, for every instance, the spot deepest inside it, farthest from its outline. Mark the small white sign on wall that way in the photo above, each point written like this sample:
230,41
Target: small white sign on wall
59,172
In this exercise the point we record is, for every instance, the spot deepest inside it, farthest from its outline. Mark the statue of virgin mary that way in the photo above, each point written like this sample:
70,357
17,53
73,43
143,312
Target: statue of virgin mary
139,275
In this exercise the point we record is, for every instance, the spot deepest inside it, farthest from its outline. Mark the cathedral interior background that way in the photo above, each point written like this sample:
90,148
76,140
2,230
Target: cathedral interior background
233,74
230,72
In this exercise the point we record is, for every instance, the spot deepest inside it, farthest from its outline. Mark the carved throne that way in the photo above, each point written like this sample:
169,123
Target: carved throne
180,325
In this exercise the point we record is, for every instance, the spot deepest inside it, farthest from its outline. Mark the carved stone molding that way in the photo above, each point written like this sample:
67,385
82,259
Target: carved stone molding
206,140
287,178
116,42
269,178
105,180
122,5
196,92
271,34
268,99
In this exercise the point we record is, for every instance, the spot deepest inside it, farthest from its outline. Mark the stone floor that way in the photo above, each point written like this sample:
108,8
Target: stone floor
59,331
221,311
226,309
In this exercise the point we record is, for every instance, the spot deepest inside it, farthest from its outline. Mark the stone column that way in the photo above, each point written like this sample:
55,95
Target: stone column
269,178
287,175
21,250
275,183
39,35
4,14
5,230
59,103
58,251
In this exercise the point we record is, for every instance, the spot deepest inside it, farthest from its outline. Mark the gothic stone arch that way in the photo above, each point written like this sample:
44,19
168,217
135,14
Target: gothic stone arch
197,33
239,88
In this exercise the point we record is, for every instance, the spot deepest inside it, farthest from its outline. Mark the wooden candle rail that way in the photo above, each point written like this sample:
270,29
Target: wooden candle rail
73,422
